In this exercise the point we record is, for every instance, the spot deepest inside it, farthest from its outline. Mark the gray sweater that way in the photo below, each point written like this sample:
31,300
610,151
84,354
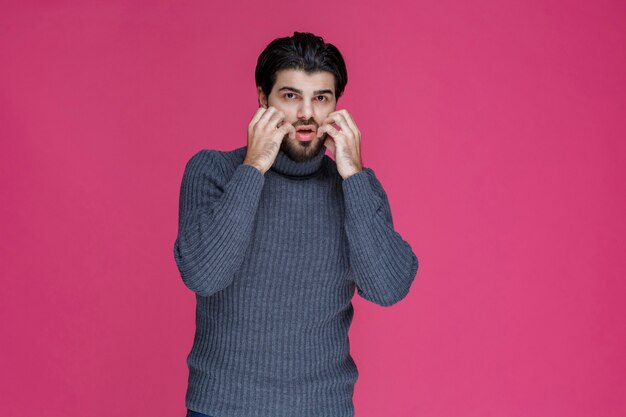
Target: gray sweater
274,260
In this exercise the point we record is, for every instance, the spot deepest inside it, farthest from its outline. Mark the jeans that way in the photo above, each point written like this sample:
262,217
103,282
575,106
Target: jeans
191,413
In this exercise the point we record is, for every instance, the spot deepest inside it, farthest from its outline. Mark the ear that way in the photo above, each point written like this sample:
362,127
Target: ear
262,97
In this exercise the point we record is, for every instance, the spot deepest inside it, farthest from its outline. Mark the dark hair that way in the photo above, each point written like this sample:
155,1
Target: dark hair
302,51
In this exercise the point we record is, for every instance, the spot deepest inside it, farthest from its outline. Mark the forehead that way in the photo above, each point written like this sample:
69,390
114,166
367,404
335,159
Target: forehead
308,83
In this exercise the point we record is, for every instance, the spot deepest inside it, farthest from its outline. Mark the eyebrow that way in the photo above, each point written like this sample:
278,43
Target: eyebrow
295,90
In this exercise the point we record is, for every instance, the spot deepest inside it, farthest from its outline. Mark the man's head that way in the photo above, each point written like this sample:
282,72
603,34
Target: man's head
303,77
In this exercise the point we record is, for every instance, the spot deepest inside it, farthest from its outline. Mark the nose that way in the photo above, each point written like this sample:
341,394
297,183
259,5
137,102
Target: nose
305,110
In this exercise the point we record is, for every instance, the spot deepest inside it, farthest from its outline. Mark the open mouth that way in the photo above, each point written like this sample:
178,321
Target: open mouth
305,134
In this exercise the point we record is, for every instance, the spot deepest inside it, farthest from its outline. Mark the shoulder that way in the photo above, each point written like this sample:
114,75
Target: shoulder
224,161
206,163
234,157
204,158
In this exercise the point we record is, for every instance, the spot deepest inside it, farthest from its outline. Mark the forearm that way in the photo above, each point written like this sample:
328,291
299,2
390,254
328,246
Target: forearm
382,262
212,241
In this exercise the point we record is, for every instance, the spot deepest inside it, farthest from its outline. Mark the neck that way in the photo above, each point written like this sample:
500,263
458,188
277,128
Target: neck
283,164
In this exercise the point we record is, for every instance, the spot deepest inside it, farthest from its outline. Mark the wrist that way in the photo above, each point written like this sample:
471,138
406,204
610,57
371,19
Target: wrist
252,164
352,173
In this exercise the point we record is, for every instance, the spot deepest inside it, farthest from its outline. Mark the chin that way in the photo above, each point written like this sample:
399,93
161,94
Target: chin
301,151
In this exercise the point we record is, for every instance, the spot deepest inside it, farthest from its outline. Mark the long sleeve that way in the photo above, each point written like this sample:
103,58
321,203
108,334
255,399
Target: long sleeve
216,220
383,264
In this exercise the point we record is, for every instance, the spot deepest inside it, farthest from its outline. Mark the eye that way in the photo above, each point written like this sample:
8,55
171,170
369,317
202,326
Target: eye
288,94
323,98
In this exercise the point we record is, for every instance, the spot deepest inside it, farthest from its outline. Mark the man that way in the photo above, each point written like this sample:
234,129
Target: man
275,236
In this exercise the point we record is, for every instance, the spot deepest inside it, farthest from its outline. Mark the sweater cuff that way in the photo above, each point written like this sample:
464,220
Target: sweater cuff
248,176
360,198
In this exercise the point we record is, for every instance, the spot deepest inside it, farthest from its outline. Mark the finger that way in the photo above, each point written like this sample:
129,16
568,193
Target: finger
257,116
267,115
334,132
330,119
275,118
343,124
324,129
330,144
287,128
347,117
320,131
351,122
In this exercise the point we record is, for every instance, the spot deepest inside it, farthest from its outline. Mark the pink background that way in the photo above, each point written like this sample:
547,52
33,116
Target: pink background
497,129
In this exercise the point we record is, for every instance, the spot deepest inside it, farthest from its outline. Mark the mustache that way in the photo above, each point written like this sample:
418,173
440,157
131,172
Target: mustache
310,122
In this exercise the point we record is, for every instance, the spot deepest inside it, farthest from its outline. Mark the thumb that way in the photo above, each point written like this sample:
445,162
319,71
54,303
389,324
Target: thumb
288,128
330,144
320,131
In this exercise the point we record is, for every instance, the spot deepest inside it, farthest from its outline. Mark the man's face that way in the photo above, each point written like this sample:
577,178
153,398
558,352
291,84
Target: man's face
306,100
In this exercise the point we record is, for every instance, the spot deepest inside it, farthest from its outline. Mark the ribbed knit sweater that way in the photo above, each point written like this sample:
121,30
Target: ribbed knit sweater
274,260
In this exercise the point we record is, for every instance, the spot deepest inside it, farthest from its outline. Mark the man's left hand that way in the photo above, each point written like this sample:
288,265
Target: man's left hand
344,144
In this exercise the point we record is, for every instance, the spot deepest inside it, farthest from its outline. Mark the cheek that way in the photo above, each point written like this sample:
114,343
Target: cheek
322,118
290,113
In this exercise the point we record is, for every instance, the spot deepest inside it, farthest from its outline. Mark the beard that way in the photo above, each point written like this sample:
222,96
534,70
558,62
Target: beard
301,151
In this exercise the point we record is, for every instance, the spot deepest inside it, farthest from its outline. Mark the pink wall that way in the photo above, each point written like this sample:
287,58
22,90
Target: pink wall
497,129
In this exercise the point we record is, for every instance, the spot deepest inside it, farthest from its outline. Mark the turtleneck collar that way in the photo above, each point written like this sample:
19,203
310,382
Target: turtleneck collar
283,164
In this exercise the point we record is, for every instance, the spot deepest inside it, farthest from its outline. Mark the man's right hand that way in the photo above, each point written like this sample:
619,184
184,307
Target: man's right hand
265,134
